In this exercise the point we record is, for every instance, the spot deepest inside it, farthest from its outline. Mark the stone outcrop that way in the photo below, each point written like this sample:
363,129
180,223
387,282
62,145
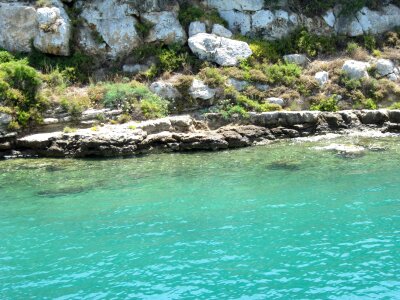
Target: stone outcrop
108,28
199,90
356,69
18,26
223,51
214,132
54,30
166,28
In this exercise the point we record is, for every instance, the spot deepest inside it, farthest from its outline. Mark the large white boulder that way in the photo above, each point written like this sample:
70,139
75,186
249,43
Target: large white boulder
54,30
356,69
166,28
165,90
196,27
18,26
109,28
199,90
223,51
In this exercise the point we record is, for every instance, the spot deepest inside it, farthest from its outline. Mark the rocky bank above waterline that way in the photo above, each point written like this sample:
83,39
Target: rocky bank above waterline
185,133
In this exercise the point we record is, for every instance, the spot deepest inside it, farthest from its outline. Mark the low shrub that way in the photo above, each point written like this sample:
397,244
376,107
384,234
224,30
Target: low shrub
326,104
213,77
282,73
132,98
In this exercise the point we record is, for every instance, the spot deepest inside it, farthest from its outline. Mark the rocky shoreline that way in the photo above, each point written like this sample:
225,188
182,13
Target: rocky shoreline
186,133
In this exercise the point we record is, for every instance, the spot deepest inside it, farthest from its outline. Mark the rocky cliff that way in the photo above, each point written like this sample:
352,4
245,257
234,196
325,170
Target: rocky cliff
114,28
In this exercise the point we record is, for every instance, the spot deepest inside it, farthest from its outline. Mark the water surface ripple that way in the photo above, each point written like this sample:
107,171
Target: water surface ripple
282,221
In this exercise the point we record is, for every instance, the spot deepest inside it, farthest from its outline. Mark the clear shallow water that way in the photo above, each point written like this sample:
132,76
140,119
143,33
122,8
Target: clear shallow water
281,221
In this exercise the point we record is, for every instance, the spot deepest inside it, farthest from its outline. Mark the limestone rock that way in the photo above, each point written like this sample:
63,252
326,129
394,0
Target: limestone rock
223,51
274,24
384,67
322,77
165,90
356,69
109,27
368,21
199,90
18,26
221,31
54,30
239,85
167,28
275,100
135,69
239,5
5,120
196,28
237,20
298,59
329,18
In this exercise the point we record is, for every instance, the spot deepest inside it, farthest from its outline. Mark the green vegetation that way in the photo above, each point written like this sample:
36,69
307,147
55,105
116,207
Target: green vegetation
19,91
326,104
133,98
189,13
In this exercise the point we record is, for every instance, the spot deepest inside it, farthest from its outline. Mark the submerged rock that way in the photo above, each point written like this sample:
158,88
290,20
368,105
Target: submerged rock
284,165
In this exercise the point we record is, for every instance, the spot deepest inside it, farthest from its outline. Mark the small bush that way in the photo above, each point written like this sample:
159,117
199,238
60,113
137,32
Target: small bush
212,77
282,73
69,130
327,104
6,57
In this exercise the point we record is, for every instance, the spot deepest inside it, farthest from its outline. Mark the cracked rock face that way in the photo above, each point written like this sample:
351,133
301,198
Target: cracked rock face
54,30
110,28
223,51
18,26
166,28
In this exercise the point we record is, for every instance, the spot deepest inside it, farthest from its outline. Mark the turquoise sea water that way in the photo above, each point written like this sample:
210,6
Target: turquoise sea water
281,221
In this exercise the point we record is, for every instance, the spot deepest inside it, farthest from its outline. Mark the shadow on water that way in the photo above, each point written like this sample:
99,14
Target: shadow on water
65,191
284,165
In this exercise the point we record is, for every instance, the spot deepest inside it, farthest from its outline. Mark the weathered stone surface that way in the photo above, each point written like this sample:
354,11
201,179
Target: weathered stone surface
374,116
18,26
165,90
275,100
196,28
166,28
237,20
55,30
199,90
223,51
110,28
182,133
356,69
322,77
239,85
274,24
385,67
368,21
5,120
221,31
239,5
135,69
298,59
